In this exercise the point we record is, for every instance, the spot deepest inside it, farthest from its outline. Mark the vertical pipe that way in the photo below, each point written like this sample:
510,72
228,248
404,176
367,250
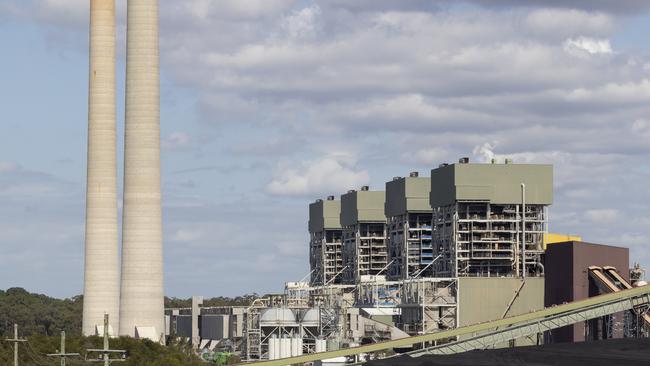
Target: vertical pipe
101,268
523,230
142,260
516,241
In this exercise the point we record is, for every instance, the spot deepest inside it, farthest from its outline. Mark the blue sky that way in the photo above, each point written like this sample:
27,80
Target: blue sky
270,104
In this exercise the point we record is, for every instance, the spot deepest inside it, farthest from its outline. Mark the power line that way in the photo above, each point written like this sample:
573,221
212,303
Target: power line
61,354
105,352
15,340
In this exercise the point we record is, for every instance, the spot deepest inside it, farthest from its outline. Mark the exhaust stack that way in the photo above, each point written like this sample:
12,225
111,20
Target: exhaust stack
141,302
101,267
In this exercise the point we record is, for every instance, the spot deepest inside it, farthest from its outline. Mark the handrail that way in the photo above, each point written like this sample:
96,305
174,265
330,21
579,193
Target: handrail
476,328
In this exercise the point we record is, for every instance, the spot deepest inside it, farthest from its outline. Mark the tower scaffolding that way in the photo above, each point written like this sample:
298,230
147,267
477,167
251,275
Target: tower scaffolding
364,233
325,246
489,220
408,212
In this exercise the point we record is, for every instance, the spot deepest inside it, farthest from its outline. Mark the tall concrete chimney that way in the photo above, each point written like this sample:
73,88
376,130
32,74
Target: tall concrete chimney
101,270
142,297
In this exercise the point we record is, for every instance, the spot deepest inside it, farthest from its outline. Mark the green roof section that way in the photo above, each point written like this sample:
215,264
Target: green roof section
407,194
362,206
324,214
495,183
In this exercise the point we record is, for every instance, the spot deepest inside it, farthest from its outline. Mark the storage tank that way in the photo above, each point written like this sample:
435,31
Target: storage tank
272,348
277,316
296,346
321,345
311,318
285,348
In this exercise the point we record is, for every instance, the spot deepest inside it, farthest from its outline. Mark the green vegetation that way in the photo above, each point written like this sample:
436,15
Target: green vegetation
244,300
139,352
38,314
41,319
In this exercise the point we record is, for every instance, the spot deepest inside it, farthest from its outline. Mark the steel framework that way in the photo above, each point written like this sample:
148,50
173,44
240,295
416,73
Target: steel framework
511,328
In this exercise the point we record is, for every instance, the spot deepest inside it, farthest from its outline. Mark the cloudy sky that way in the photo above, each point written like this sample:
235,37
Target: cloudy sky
270,104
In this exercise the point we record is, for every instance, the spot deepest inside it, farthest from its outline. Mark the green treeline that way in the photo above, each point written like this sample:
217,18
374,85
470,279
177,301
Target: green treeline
41,319
44,315
38,314
139,352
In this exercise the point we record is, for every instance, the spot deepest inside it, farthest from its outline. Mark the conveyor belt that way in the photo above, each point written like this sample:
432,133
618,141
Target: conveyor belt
611,281
509,328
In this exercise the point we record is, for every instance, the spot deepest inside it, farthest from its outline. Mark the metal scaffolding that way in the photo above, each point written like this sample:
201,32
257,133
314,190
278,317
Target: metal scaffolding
364,250
410,245
429,305
489,240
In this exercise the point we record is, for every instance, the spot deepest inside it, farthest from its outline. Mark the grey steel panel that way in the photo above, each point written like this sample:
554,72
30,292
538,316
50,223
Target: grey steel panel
362,206
324,214
495,183
407,194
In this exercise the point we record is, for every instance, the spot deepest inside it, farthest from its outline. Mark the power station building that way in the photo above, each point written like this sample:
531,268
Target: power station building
326,242
408,214
467,246
364,234
489,220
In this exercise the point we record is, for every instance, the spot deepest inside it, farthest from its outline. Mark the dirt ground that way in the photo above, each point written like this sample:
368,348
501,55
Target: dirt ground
614,352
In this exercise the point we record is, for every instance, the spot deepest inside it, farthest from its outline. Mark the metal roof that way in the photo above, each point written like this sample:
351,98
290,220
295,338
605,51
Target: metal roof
407,194
495,183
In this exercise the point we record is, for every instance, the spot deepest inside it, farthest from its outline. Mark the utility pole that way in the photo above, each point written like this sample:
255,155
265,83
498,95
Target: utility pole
105,352
61,354
15,341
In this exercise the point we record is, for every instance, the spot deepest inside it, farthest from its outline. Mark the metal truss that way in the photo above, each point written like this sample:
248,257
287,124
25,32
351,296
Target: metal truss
534,327
489,333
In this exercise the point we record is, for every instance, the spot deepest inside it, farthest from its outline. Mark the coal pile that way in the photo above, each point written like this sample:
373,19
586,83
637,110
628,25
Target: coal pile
613,352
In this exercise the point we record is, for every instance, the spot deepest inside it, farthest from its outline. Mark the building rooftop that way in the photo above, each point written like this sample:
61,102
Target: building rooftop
324,214
407,194
494,183
362,206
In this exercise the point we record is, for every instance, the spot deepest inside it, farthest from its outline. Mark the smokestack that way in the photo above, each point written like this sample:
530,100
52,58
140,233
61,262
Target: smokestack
142,306
101,268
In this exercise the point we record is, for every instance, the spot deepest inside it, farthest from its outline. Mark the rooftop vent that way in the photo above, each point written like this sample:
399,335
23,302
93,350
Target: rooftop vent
330,198
351,191
493,161
463,160
442,165
397,178
508,161
319,200
414,174
365,188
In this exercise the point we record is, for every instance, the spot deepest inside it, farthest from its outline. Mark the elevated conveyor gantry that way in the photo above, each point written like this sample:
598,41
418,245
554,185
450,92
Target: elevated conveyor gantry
609,280
483,335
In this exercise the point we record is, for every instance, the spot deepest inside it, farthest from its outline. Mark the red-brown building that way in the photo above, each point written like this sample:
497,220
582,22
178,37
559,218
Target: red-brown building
567,279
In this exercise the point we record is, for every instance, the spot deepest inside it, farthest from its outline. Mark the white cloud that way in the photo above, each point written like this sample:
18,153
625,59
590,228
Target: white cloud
302,23
186,235
318,177
431,156
8,166
339,91
586,44
568,22
485,152
641,126
603,215
176,140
